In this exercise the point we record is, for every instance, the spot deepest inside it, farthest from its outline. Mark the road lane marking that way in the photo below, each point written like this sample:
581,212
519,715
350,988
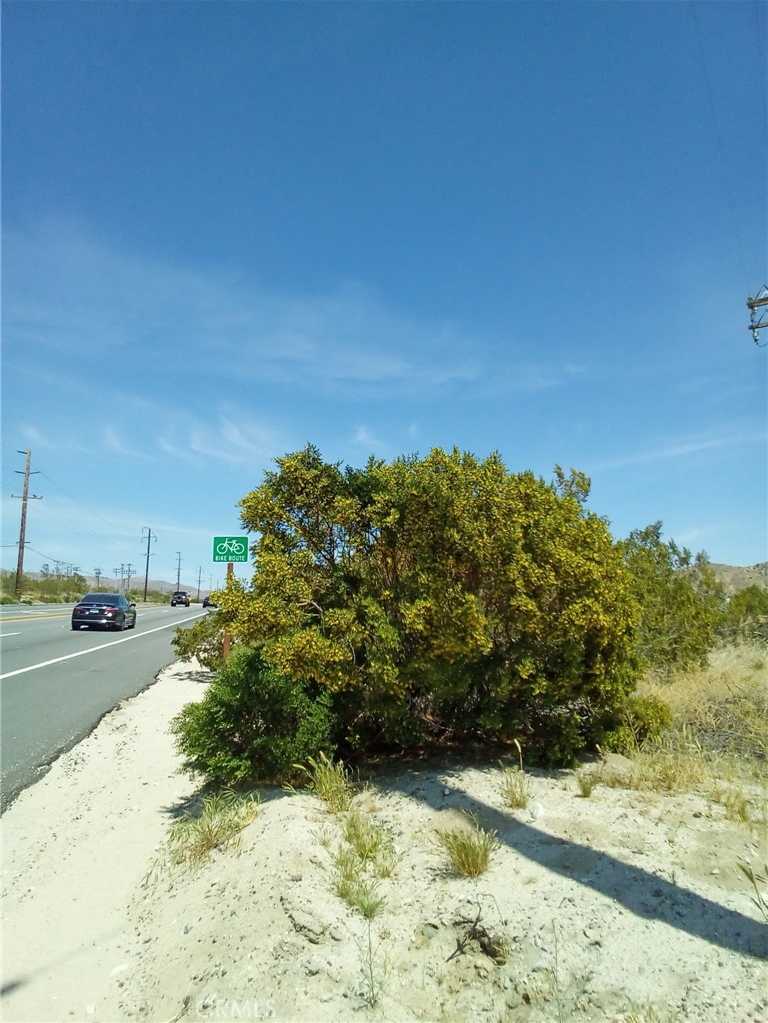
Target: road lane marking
33,618
145,611
5,635
102,646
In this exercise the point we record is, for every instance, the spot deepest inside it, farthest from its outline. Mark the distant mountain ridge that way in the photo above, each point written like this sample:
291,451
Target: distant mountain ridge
738,577
107,584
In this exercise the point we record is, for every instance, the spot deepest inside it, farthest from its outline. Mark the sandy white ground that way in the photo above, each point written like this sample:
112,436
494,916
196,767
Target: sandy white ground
74,847
617,904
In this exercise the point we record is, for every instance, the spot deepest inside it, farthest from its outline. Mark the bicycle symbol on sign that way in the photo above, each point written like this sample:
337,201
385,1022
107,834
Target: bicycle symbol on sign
230,546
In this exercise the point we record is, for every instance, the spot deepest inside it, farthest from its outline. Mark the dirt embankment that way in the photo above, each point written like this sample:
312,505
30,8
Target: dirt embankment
622,906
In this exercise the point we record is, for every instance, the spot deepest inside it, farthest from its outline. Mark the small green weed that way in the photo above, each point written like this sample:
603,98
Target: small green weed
649,1015
759,882
351,884
366,850
373,967
385,864
365,836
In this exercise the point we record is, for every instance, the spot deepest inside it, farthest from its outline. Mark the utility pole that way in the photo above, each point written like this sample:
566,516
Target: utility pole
758,321
150,538
25,498
199,577
119,573
97,573
178,569
128,574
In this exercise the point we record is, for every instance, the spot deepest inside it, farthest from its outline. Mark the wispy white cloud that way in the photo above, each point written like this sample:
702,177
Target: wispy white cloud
692,535
363,437
113,442
68,291
90,532
32,435
231,438
37,438
666,450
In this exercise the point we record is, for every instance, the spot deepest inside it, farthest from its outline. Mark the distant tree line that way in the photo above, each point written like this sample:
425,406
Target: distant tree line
51,588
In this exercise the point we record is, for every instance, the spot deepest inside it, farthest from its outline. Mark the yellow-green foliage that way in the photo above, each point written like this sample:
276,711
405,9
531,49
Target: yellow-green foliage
642,718
681,601
438,594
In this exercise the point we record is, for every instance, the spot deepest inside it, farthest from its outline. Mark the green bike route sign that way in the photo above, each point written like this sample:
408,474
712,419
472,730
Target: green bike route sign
230,548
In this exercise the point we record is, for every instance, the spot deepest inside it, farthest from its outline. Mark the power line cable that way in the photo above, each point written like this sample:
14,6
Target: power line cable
70,497
719,145
761,41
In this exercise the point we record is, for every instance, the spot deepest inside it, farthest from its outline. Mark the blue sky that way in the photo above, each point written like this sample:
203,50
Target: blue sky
229,229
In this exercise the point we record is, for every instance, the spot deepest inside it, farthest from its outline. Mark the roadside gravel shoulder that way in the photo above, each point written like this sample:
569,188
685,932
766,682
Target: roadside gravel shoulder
76,844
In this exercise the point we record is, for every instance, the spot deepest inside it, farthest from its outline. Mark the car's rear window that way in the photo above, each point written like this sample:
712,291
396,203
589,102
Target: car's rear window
100,598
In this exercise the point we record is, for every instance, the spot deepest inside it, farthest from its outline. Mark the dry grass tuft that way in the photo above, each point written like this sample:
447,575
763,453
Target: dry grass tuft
223,816
515,786
332,782
719,731
657,768
735,802
587,780
723,706
469,847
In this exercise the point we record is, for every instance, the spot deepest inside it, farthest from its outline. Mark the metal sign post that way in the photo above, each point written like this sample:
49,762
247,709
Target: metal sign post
226,641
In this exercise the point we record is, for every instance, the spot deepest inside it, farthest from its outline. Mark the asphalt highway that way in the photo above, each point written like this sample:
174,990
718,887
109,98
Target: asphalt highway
55,684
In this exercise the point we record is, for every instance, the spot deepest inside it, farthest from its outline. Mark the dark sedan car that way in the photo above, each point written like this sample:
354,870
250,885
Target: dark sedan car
207,602
107,610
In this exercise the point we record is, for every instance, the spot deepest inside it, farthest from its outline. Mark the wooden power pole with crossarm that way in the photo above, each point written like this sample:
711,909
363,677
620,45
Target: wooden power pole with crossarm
25,497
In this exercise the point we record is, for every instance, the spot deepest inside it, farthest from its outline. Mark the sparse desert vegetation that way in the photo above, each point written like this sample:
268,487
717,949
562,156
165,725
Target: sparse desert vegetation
653,711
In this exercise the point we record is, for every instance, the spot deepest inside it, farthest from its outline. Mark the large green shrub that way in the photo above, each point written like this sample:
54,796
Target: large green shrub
681,602
253,724
204,640
746,616
438,597
639,719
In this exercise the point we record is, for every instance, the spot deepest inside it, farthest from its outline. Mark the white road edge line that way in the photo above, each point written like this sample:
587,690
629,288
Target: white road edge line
102,646
4,635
